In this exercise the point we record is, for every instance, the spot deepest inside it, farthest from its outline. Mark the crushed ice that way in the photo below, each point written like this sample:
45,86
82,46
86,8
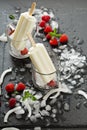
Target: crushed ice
72,66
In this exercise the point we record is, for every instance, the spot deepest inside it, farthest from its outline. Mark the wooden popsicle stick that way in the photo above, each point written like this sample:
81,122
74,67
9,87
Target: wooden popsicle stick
31,39
32,8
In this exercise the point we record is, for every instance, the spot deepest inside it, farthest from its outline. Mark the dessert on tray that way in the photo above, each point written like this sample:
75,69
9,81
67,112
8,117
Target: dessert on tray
20,95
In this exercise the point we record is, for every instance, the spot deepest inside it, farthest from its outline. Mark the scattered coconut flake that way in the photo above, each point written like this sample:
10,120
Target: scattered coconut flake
3,38
10,128
81,92
10,112
3,75
20,111
28,107
50,93
62,88
43,102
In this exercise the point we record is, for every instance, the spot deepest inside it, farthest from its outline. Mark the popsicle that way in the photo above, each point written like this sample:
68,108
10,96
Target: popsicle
41,60
25,24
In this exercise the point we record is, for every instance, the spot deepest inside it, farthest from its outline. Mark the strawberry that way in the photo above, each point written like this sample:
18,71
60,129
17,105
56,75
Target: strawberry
42,23
52,83
24,51
48,29
53,42
46,18
63,39
9,87
12,102
20,87
48,36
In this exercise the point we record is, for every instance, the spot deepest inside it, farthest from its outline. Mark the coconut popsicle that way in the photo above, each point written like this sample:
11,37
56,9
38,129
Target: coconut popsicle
25,24
41,60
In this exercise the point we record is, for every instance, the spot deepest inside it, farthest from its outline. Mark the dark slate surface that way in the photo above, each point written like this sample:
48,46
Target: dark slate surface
72,18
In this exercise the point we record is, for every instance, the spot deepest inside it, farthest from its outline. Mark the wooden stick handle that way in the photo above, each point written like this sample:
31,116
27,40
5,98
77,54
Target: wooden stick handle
31,39
32,8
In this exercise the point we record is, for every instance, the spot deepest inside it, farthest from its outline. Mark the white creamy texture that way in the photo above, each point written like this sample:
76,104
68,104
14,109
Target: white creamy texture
42,62
25,24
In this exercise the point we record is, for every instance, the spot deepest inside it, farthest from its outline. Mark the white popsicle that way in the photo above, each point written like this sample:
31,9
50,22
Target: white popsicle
26,23
42,61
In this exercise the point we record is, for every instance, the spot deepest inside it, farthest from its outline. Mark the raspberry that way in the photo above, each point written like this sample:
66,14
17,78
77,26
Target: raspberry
48,36
12,102
20,87
52,83
63,39
53,42
9,87
42,23
24,51
48,29
46,18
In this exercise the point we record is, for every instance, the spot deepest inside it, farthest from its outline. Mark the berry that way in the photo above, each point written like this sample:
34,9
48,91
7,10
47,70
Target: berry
42,23
46,18
52,83
11,31
20,87
48,36
53,42
24,51
63,39
12,102
9,87
48,29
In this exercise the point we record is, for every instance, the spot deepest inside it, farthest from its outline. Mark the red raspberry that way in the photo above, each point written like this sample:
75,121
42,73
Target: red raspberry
9,87
24,51
48,29
53,42
20,87
48,36
63,39
42,23
46,18
12,102
52,83
11,31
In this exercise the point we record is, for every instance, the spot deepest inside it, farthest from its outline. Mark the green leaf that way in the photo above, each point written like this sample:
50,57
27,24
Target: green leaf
55,34
11,17
55,31
28,95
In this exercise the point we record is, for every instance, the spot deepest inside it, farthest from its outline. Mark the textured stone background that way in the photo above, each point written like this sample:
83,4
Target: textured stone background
72,18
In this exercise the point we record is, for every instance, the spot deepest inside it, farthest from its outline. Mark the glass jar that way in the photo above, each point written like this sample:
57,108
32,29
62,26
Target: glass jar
23,45
40,82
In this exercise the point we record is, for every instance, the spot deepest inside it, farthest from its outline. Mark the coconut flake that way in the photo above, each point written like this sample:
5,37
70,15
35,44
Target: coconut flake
81,92
21,111
4,74
28,107
10,128
10,112
62,88
3,38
